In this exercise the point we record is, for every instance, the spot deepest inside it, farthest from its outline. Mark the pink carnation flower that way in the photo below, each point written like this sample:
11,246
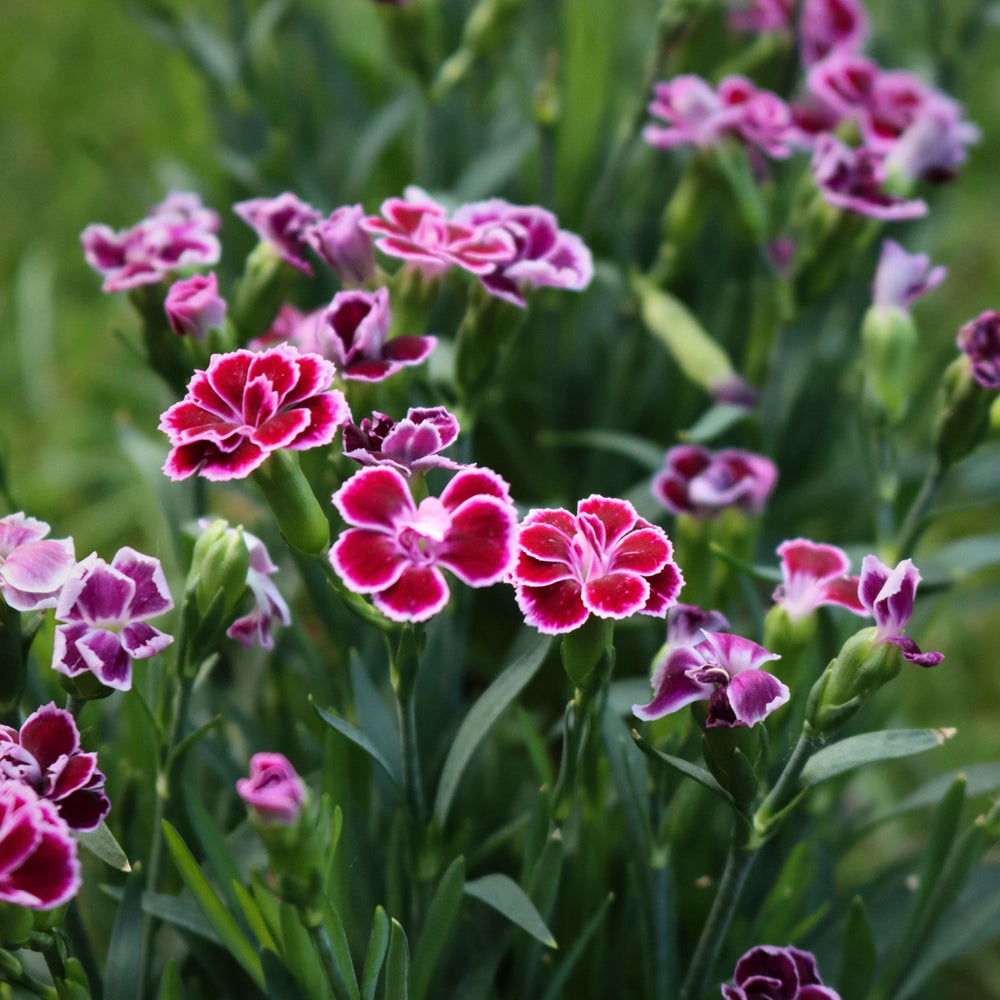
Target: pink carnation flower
409,446
344,246
760,17
814,574
46,755
604,560
282,222
292,326
105,608
396,549
246,405
193,306
831,26
38,863
274,791
32,568
704,483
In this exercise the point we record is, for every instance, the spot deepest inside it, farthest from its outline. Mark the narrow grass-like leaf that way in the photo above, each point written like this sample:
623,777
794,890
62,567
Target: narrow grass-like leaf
980,778
121,970
686,768
171,987
481,717
714,422
378,944
342,951
645,453
534,743
254,917
216,913
397,969
300,955
869,748
374,717
332,825
102,844
505,896
190,741
360,739
441,915
565,968
858,955
180,913
281,984
217,853
267,902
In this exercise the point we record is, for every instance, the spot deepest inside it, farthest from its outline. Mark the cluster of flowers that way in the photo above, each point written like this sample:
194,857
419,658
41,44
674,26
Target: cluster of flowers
909,131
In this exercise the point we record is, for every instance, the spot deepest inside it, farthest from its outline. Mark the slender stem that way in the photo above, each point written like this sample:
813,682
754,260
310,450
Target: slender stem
784,788
323,946
411,759
75,705
914,522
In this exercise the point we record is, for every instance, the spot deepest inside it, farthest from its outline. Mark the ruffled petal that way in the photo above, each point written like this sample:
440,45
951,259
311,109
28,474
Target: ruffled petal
617,516
617,595
141,641
49,733
553,609
912,653
152,595
367,561
471,483
374,498
645,551
103,654
674,686
753,695
479,545
420,593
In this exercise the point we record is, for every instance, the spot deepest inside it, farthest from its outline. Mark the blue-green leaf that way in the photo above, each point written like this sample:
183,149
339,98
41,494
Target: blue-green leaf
378,944
121,971
397,970
686,768
507,897
643,452
565,968
102,844
360,739
441,915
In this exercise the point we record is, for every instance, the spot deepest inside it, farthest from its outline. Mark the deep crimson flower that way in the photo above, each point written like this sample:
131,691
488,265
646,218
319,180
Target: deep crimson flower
193,306
770,973
814,574
344,245
980,340
246,405
604,560
722,669
397,548
700,482
104,608
282,222
831,26
46,755
38,863
902,278
409,446
32,568
274,791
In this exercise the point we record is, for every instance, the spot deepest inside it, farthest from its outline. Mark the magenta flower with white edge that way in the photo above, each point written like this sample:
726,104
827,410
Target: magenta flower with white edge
814,574
351,333
840,86
417,229
854,179
762,120
39,868
980,340
722,669
902,278
291,326
396,549
104,608
273,792
409,446
771,973
543,256
604,560
246,405
179,232
283,222
888,595
344,246
32,568
46,755
827,26
193,306
704,483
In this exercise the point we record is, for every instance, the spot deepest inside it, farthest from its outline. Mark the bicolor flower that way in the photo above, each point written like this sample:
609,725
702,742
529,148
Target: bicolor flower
273,792
759,17
771,973
685,624
814,574
246,405
351,333
46,755
193,306
840,86
980,340
396,549
32,568
854,179
722,669
39,868
417,229
704,483
902,278
291,326
282,222
827,26
179,232
104,608
344,246
934,145
409,446
888,595
604,560
543,254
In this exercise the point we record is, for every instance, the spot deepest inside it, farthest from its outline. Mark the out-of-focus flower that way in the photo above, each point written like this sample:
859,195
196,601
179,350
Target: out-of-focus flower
291,326
32,568
901,278
396,549
829,26
46,755
604,560
840,86
704,483
246,405
351,333
38,863
933,146
722,669
193,306
887,595
761,119
685,623
895,99
409,446
853,179
273,792
543,254
980,340
105,608
344,246
771,973
814,574
179,232
283,222
417,229
760,17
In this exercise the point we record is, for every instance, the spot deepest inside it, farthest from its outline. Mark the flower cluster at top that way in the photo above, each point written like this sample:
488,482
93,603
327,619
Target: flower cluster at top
909,131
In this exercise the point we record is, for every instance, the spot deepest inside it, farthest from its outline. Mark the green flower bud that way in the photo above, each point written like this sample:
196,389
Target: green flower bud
260,292
583,649
488,326
219,565
733,755
296,510
16,923
889,339
963,418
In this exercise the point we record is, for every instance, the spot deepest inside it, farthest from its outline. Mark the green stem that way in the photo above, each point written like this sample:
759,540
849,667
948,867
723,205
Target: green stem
914,522
785,788
412,782
324,948
75,705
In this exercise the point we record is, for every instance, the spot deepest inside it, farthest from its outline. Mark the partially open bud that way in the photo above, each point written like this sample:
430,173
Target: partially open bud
733,755
963,418
219,567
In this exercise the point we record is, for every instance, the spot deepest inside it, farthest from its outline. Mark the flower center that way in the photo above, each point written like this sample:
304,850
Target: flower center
421,534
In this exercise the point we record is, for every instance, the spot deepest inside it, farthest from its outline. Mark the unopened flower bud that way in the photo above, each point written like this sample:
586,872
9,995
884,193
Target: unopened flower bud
583,649
963,418
344,245
889,338
193,306
296,510
219,569
733,755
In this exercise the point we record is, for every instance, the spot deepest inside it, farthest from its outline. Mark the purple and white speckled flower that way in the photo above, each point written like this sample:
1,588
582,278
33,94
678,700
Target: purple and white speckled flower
409,446
283,222
979,339
697,481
